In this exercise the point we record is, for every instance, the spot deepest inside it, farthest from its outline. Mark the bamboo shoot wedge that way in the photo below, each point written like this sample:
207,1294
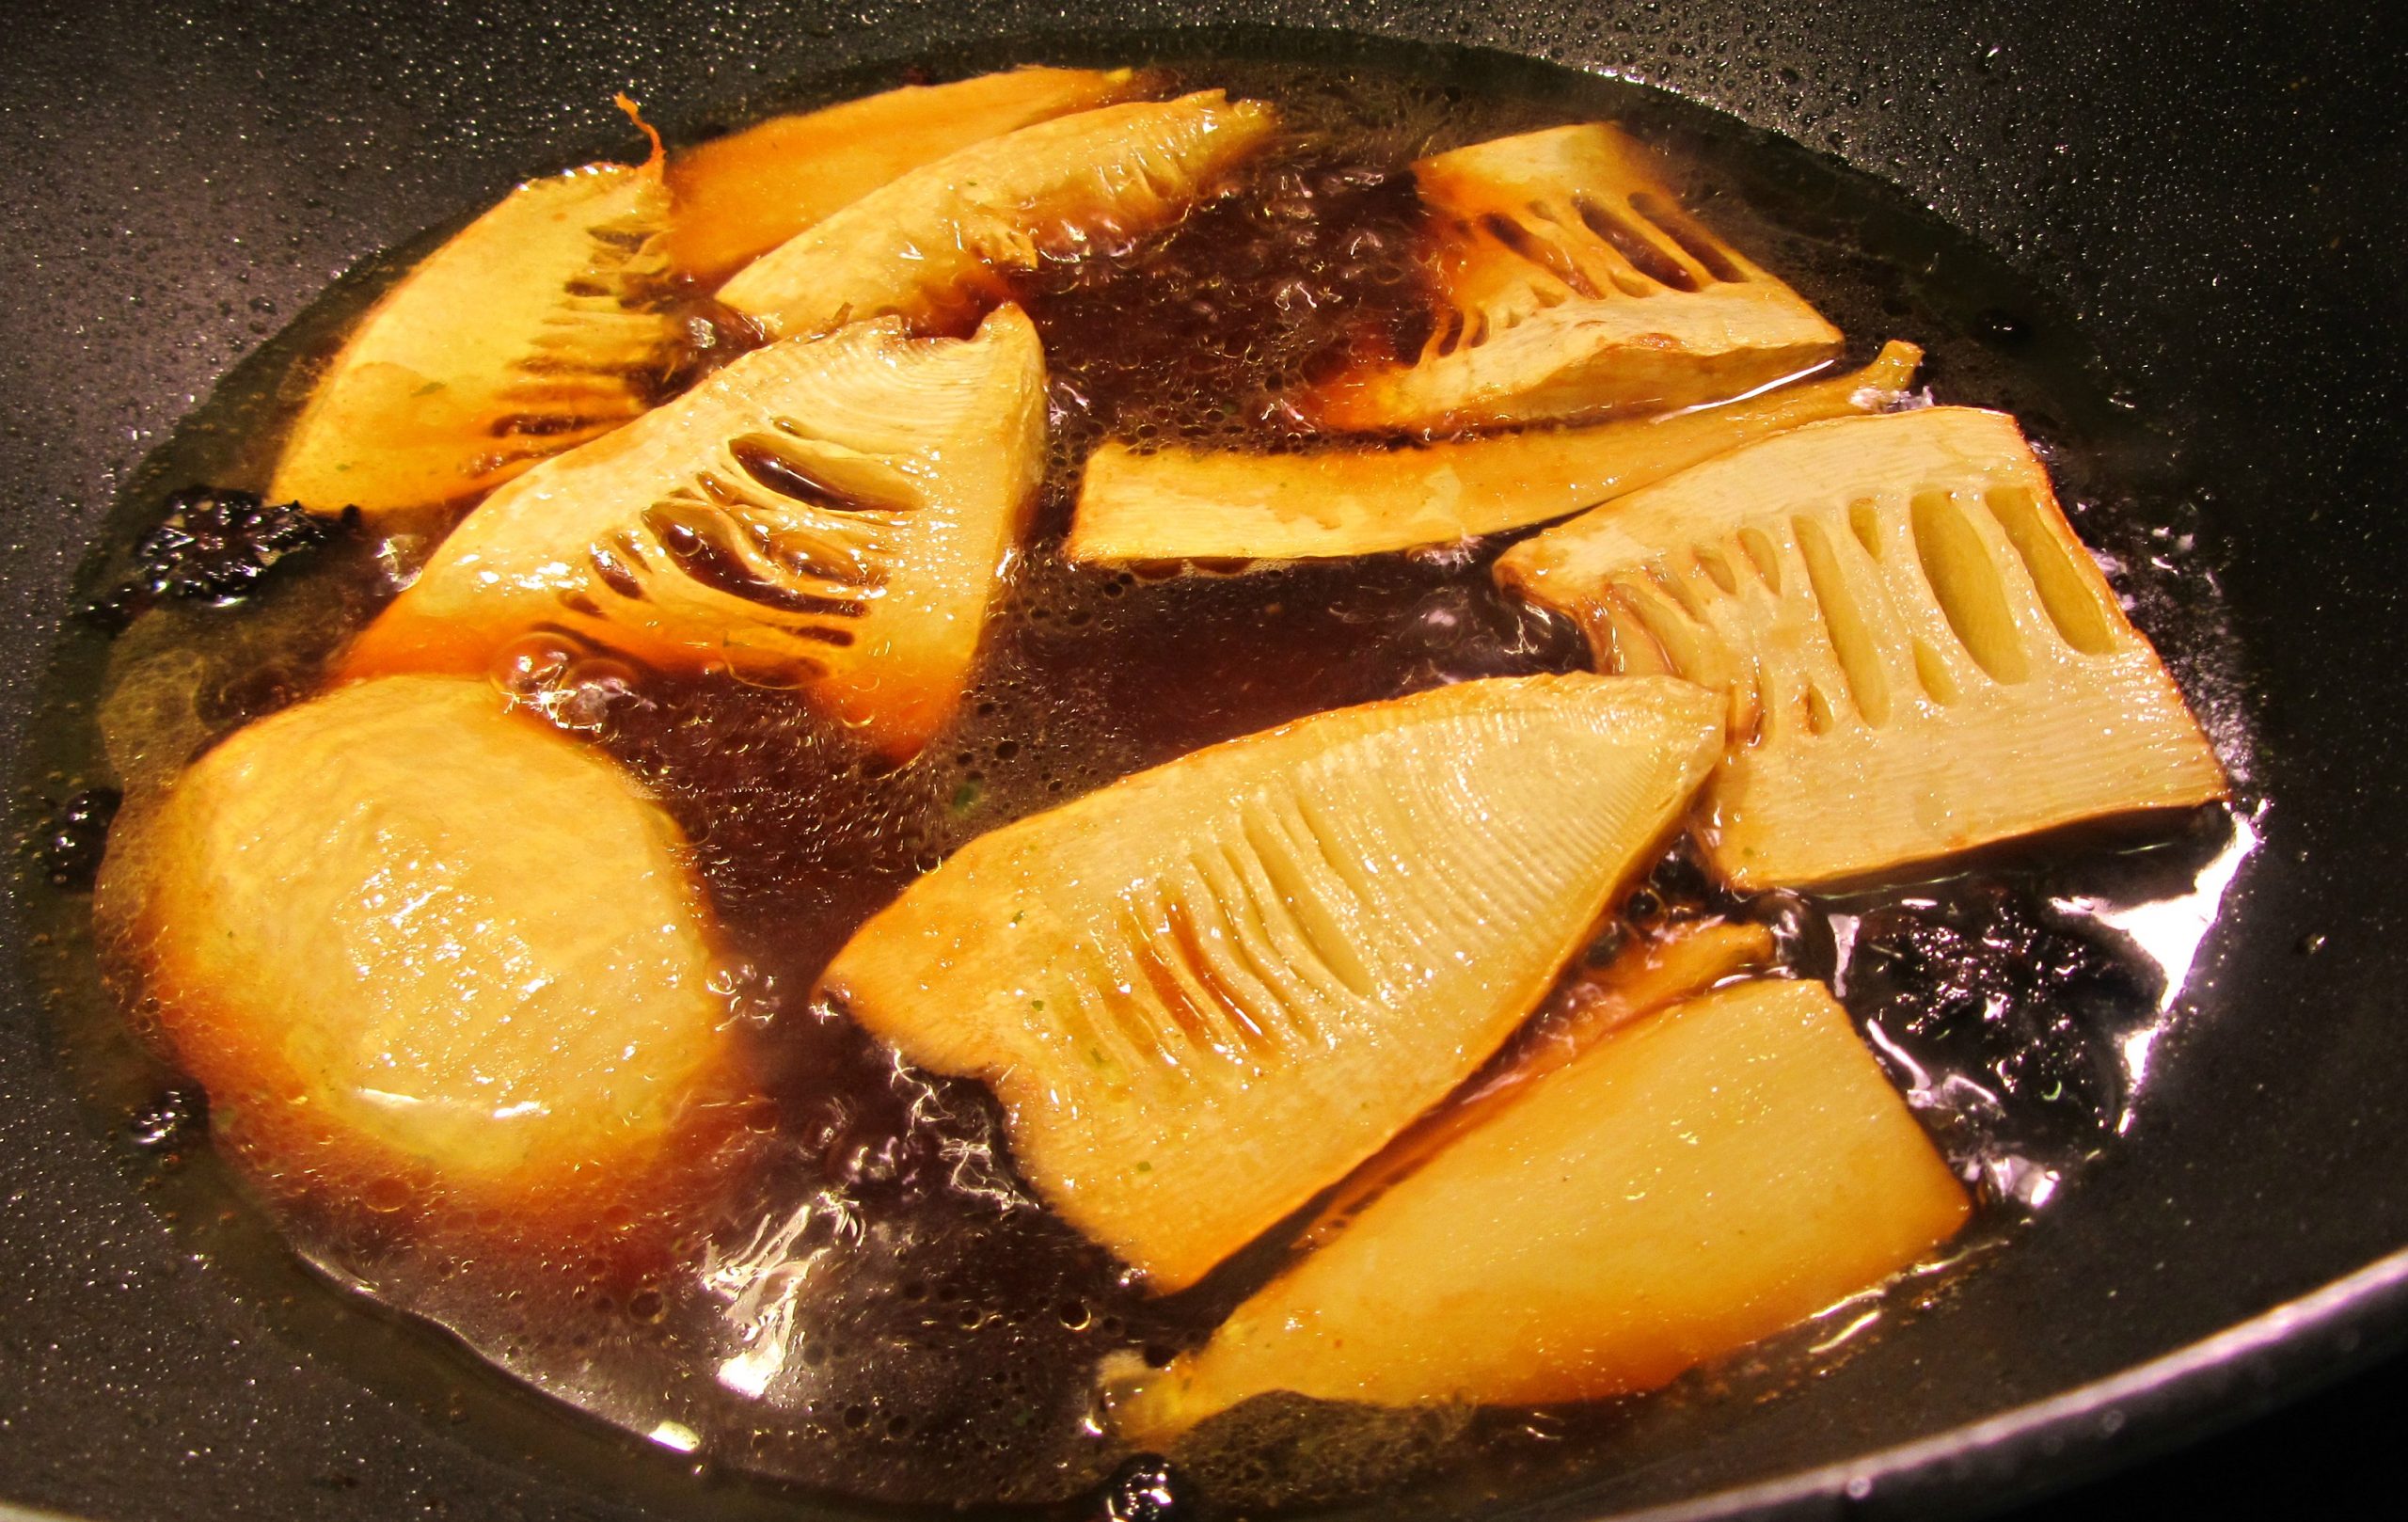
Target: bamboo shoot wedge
420,946
1648,975
934,244
740,195
1920,655
1178,503
1680,1189
538,326
831,514
1206,993
1570,283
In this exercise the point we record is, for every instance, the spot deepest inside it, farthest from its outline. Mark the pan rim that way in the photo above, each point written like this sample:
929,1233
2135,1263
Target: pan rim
2221,1380
2081,1434
2105,1425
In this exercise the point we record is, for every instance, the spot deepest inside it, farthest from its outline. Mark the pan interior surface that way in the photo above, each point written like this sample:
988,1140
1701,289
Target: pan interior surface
2256,1173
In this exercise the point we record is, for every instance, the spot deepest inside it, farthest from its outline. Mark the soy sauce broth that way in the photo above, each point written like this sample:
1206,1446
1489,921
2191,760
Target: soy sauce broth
888,1313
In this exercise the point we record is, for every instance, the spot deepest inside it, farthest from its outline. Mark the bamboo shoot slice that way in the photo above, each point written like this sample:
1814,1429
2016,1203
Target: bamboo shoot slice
1681,963
1177,504
832,513
1689,1186
536,329
1572,284
1920,655
1206,991
427,952
740,195
934,244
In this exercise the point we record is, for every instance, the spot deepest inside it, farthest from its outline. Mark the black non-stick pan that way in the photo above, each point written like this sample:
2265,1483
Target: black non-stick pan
2210,196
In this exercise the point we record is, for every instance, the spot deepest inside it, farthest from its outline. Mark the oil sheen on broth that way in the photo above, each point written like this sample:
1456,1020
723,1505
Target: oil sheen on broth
886,1311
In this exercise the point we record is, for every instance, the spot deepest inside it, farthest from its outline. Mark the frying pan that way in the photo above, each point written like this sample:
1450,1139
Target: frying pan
2210,197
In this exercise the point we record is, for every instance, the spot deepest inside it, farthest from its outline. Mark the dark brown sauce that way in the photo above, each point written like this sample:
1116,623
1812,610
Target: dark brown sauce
885,1310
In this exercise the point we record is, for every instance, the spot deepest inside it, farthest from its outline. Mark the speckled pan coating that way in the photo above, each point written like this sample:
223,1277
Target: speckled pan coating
2211,192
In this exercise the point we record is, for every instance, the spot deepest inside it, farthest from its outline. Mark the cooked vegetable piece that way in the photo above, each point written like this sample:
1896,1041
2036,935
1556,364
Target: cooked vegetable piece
1680,962
1570,282
930,246
740,195
422,951
1920,655
1206,991
830,513
1178,503
538,326
1680,1190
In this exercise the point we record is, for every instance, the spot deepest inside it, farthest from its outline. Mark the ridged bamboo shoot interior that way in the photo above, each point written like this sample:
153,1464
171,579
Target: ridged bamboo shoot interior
928,247
1207,990
1678,1190
1570,282
538,326
832,514
1919,654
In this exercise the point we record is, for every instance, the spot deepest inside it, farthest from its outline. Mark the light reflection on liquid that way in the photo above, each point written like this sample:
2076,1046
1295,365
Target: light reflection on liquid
764,1283
2169,931
2165,932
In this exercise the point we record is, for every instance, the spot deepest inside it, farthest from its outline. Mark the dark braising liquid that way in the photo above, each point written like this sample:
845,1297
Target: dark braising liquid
886,1311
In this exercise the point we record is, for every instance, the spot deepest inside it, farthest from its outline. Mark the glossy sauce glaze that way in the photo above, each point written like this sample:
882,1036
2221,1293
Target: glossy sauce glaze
883,1308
